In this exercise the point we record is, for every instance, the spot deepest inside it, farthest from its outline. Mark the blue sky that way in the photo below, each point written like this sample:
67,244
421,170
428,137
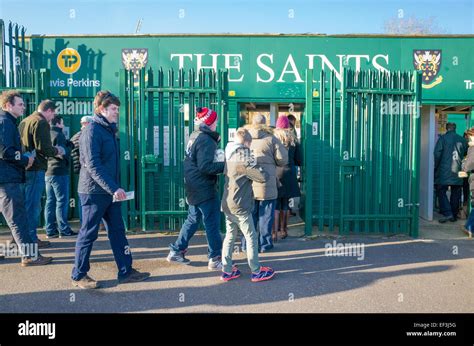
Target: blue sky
231,16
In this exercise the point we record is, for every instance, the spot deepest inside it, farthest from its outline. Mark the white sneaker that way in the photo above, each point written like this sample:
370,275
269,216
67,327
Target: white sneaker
215,263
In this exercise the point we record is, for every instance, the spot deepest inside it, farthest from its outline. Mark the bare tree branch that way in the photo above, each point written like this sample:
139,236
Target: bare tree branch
413,25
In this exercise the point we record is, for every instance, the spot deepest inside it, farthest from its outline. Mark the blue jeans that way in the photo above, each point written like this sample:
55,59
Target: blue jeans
80,211
244,223
57,202
449,207
209,212
34,188
94,208
12,207
263,216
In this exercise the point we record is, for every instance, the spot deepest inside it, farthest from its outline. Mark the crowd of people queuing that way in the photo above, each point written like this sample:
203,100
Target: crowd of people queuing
259,168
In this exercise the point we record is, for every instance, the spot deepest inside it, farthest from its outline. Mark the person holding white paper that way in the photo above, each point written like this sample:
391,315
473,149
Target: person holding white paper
99,185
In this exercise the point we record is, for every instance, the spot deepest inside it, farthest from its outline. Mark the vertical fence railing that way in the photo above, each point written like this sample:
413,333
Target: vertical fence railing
361,163
16,72
308,159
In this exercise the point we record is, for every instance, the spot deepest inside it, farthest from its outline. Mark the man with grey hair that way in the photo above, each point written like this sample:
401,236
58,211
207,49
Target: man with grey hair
449,152
268,152
75,153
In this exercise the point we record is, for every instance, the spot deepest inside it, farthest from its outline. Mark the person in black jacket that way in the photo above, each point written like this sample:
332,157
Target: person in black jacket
200,182
57,185
12,168
449,152
99,190
76,164
75,155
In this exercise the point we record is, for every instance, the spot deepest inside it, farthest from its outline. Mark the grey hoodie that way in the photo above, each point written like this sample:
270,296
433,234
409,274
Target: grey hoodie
240,170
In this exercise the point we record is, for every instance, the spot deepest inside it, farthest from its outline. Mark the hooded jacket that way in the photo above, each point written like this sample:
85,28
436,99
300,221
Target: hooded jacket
269,153
240,170
200,170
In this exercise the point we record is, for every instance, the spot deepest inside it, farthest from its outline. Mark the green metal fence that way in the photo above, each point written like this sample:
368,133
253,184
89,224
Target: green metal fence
16,72
360,170
154,129
361,145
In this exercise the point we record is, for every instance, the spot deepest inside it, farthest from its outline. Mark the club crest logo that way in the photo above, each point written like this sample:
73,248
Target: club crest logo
429,62
134,59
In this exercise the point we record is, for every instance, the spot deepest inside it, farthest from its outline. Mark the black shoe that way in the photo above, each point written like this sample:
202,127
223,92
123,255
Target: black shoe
445,219
134,276
453,219
69,234
43,244
55,235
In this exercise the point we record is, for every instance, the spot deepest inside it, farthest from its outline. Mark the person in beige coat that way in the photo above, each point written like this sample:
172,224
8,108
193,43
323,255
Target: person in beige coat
269,153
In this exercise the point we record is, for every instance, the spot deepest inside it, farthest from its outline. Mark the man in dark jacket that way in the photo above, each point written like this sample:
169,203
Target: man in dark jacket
12,168
449,152
57,185
75,155
200,182
76,164
36,137
99,190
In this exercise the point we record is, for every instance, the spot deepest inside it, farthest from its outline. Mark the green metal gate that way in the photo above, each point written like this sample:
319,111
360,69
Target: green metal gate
156,122
361,152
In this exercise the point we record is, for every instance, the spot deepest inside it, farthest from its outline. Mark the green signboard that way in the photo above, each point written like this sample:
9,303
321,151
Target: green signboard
260,67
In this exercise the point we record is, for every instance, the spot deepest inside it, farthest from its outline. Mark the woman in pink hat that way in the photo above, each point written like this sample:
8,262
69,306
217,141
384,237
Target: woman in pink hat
287,176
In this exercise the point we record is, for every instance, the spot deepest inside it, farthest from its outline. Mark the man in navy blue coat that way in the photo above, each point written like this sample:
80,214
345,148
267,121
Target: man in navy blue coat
99,185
